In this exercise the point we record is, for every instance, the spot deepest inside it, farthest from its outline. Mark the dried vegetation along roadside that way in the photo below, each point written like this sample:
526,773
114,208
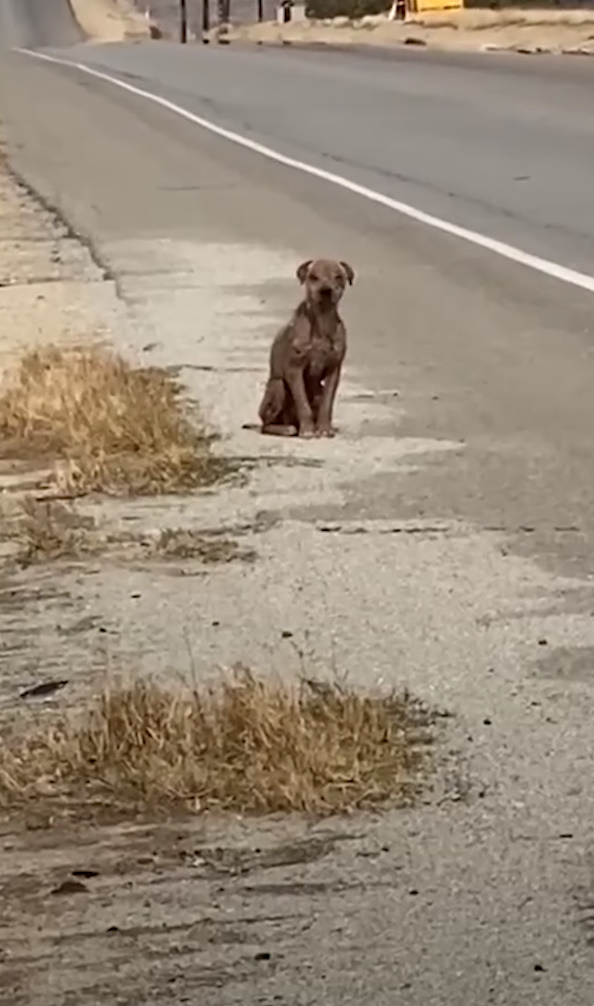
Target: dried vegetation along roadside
110,427
244,744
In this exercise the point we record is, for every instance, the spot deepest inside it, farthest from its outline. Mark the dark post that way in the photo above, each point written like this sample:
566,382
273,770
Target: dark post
260,10
205,20
223,12
183,21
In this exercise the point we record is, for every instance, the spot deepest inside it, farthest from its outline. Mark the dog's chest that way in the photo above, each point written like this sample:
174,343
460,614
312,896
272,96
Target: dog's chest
326,351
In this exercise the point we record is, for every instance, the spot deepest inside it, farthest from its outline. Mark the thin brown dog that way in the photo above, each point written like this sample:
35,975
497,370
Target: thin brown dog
307,356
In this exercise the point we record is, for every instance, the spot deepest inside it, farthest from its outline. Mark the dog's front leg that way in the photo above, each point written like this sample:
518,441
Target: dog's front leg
324,423
296,382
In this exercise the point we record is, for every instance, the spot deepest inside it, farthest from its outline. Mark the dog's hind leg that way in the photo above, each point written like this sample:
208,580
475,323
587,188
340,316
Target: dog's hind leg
272,429
276,412
273,401
277,430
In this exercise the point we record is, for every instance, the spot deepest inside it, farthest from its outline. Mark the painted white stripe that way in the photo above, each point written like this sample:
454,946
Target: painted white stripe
542,265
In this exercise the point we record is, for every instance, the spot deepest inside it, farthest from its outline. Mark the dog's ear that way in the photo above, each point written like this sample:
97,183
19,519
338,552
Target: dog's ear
349,272
303,270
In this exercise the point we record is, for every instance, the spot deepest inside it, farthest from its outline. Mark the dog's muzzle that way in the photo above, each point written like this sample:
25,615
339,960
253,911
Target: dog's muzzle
327,295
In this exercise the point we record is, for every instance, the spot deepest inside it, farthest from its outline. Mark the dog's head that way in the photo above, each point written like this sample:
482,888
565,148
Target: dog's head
325,280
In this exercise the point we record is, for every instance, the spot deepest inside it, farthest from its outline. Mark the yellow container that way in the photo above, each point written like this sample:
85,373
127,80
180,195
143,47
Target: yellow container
428,6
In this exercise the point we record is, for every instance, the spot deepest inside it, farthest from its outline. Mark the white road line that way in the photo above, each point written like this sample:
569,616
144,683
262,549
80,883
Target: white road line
542,265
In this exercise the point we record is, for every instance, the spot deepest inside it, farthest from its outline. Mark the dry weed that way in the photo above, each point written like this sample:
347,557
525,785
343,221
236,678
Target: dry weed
182,543
47,530
115,429
245,744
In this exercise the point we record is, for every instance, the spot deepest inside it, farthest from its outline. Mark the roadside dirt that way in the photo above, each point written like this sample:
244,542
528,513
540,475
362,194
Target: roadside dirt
570,32
124,910
110,20
173,914
520,31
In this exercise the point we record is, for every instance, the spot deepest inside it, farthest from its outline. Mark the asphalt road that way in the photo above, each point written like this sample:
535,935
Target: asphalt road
494,144
483,351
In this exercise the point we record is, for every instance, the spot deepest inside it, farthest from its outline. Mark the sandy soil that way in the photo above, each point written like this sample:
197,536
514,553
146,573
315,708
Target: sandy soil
47,278
110,20
551,31
470,30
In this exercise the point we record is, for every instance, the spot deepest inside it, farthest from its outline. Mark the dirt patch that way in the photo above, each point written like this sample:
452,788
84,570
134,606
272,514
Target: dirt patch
135,914
245,744
39,530
46,530
111,428
110,20
512,29
183,543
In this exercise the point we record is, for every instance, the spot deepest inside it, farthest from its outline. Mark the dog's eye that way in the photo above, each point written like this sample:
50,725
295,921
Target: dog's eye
312,276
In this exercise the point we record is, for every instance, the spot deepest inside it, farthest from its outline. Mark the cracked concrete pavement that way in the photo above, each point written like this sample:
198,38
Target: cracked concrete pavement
443,541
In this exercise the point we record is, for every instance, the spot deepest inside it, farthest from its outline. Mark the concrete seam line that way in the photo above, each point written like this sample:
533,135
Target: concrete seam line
542,265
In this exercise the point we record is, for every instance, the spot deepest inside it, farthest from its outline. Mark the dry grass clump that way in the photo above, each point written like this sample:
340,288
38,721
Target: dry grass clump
245,744
184,543
47,530
117,429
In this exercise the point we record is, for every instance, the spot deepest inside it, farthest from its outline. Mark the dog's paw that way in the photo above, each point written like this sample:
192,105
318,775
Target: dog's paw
307,433
326,431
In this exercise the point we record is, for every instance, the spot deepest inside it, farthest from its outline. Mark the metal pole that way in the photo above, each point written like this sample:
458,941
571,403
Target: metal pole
205,21
260,10
183,21
223,17
223,12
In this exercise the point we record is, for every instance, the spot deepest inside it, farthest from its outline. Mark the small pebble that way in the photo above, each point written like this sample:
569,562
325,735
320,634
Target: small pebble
70,887
43,690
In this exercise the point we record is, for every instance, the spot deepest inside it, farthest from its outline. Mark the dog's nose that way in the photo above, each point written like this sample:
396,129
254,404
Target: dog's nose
325,288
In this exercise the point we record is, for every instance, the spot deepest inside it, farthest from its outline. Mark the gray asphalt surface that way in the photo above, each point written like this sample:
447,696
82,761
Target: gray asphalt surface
497,904
470,149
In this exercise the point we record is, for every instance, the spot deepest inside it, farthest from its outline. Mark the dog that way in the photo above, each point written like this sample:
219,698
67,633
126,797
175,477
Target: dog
307,356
